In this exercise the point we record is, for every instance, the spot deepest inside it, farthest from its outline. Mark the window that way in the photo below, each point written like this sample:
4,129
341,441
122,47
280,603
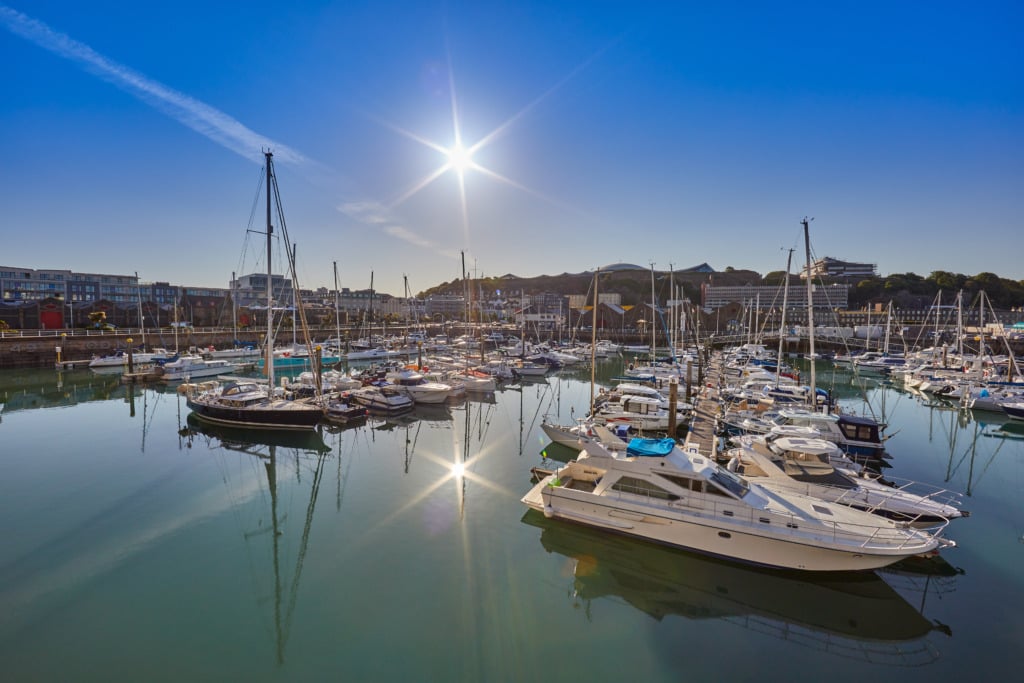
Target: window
695,485
733,483
642,487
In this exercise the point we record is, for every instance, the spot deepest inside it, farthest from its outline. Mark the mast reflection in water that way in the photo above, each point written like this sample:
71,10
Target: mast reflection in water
307,453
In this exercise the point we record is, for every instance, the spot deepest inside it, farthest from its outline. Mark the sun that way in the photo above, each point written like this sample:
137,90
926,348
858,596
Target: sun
460,159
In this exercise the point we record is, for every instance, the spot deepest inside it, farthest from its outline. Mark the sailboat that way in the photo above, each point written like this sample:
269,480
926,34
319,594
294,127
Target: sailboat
248,403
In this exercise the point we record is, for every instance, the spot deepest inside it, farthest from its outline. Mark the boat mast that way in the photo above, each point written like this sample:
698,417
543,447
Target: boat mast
888,325
269,350
782,323
234,310
337,317
593,342
654,319
810,313
295,297
142,319
960,324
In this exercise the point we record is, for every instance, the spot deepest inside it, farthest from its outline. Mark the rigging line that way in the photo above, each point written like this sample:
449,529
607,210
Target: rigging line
252,219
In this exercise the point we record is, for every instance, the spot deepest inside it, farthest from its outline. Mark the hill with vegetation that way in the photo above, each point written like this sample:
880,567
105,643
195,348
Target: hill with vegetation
905,290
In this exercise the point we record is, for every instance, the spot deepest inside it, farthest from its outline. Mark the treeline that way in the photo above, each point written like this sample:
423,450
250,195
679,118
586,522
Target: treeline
907,290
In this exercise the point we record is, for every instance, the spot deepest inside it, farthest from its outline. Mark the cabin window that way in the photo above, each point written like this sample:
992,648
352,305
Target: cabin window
642,487
733,483
727,513
859,432
695,485
822,510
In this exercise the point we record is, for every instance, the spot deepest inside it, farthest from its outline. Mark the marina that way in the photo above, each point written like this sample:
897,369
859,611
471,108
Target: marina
152,545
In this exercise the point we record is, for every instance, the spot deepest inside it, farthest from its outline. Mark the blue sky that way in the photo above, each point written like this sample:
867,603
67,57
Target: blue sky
597,132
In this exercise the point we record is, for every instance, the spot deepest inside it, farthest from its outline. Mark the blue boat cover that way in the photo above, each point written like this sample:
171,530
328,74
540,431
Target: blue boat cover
650,447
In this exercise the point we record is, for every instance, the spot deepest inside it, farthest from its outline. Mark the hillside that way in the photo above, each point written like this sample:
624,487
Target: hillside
632,282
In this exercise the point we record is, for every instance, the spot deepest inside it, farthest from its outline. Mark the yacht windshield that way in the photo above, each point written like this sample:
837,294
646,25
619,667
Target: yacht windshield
731,482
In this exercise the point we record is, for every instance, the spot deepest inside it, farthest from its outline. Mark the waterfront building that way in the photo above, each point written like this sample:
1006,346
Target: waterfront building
835,268
767,297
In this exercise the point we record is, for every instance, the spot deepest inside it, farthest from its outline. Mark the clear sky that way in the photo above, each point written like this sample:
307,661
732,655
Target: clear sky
590,133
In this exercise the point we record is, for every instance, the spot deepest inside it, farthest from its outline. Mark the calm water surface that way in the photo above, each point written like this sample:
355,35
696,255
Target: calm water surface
138,546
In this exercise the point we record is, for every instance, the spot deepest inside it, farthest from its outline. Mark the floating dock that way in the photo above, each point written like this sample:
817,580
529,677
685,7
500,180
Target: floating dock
706,408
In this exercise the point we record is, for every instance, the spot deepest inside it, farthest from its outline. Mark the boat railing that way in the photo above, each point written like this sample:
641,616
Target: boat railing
884,535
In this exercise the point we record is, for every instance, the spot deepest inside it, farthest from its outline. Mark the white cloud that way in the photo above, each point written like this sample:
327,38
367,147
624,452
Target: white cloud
200,117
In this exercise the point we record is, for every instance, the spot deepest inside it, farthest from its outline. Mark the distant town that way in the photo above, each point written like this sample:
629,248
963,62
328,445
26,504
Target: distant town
629,297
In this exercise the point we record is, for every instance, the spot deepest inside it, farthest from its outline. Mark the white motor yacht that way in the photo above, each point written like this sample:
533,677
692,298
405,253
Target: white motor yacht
655,490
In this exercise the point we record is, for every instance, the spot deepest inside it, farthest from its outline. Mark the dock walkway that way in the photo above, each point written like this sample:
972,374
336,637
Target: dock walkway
706,408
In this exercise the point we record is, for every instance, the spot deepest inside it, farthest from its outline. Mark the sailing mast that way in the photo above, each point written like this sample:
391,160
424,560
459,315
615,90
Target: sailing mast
654,319
337,316
782,323
593,342
234,310
269,348
810,313
142,319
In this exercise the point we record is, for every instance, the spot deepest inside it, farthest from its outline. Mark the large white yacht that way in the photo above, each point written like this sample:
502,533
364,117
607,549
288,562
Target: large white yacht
653,489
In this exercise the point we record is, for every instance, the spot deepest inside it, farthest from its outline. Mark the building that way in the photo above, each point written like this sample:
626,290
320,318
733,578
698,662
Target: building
764,297
29,284
445,306
251,290
834,268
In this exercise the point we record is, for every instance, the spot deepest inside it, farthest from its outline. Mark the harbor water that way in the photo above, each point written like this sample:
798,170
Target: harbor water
140,545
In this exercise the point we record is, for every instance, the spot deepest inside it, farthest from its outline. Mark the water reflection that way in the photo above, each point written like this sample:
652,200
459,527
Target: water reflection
847,614
303,456
38,389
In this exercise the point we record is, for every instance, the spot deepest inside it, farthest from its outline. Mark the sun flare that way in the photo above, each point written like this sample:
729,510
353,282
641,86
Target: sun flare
460,158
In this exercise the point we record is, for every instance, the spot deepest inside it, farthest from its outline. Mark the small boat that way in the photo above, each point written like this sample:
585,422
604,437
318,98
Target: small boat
193,367
343,410
418,388
477,382
385,399
640,412
1014,410
655,490
240,352
120,358
573,436
530,370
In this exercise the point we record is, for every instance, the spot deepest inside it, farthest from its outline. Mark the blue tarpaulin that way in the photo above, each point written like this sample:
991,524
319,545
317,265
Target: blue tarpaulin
650,447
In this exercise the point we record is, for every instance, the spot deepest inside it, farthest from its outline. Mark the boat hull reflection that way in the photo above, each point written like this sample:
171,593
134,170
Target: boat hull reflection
845,612
239,438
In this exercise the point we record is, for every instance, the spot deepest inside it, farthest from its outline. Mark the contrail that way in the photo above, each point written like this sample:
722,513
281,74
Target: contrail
200,117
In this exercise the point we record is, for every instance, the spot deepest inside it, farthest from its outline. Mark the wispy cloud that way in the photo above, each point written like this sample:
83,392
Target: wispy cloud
202,118
379,215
